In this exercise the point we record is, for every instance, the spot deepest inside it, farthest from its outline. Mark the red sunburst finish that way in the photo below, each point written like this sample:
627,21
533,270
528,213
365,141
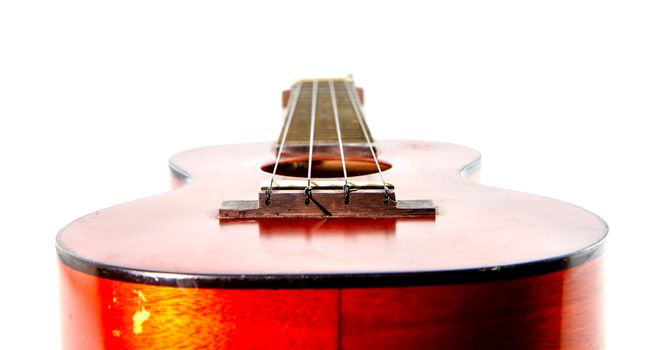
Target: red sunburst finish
494,269
559,310
477,227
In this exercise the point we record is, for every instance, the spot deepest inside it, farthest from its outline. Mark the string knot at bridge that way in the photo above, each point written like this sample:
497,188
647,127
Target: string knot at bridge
331,199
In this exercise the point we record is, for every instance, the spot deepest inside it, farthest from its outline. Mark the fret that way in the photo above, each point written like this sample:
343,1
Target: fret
338,145
325,129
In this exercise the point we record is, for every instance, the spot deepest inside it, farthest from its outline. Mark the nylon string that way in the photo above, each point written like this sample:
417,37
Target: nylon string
291,109
360,118
333,98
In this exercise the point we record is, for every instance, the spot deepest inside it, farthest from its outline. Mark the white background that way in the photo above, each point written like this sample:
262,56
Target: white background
561,97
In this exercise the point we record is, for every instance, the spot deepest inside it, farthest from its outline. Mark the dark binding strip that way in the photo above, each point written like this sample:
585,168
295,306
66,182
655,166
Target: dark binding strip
354,280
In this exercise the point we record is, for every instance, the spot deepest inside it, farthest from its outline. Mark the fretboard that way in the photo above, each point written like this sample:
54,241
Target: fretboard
325,130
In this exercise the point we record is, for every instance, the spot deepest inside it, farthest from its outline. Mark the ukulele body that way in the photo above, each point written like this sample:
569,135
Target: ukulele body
493,269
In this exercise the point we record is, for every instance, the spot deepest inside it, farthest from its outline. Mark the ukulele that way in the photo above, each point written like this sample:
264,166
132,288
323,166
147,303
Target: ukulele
327,239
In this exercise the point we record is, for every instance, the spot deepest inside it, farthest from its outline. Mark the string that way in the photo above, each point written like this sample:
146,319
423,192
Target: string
347,189
308,189
291,108
360,118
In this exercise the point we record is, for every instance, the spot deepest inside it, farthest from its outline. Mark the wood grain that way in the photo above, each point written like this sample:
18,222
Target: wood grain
559,310
170,242
476,227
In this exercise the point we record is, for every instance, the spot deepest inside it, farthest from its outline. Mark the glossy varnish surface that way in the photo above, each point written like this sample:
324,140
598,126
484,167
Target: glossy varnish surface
477,227
559,310
344,283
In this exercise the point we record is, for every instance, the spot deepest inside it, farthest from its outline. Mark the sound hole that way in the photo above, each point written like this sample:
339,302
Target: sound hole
326,168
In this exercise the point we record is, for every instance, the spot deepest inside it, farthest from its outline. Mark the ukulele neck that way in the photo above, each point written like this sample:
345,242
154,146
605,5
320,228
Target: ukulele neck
324,120
338,119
